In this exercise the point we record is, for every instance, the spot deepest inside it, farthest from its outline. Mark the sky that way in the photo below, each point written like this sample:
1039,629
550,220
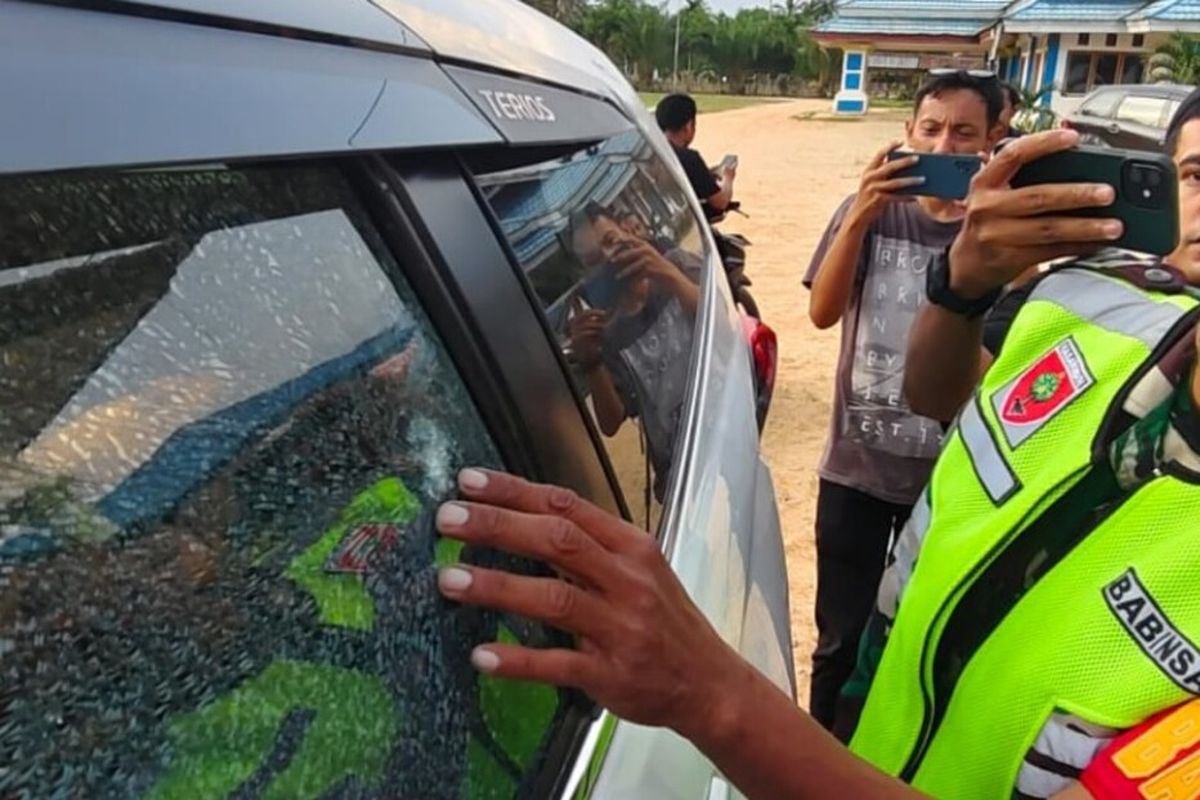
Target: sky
734,5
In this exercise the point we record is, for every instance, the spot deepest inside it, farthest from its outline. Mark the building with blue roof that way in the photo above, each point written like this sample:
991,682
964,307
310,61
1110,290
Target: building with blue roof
1068,47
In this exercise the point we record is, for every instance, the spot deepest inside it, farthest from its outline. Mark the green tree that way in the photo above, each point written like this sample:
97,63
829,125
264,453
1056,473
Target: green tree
1035,116
639,35
1176,61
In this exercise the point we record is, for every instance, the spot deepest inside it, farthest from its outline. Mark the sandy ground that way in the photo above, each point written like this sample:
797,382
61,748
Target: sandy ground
793,172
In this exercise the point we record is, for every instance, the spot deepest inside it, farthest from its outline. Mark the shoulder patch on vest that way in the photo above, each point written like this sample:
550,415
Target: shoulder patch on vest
1034,397
1146,623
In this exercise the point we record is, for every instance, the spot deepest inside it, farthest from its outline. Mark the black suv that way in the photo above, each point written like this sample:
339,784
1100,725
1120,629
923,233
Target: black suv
1134,117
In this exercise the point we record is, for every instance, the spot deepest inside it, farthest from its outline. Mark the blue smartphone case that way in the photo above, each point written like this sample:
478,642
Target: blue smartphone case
946,176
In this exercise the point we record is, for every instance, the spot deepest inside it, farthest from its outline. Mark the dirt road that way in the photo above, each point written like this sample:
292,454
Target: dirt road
793,172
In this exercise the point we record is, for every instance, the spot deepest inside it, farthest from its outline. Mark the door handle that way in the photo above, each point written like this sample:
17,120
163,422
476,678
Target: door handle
1114,128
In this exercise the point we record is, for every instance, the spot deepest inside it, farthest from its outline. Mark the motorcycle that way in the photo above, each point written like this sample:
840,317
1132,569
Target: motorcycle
764,348
731,247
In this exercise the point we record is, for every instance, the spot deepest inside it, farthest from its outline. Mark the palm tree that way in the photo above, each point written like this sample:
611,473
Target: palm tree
1035,116
1176,61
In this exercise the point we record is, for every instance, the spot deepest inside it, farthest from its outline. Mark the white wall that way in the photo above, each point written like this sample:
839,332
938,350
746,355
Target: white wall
1068,42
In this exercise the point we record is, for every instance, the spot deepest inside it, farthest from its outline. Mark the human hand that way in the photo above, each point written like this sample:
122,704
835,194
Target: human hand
645,651
878,185
1003,233
639,259
586,334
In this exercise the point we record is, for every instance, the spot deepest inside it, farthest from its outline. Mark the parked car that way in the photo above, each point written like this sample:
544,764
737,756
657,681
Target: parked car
1133,117
270,274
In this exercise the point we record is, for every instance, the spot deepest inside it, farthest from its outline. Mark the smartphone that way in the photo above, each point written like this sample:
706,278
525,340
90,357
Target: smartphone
602,288
728,162
1146,186
947,176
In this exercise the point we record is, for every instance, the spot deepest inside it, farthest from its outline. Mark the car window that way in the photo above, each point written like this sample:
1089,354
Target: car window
1169,113
1146,111
614,254
224,425
1102,105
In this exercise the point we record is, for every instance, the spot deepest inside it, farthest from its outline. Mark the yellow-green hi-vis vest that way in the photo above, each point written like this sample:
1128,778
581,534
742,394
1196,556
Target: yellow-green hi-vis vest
1008,616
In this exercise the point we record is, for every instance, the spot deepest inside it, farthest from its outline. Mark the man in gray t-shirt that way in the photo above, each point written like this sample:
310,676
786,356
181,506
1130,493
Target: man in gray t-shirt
868,272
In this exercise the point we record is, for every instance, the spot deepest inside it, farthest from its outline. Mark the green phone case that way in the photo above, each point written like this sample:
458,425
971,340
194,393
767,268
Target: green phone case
1147,229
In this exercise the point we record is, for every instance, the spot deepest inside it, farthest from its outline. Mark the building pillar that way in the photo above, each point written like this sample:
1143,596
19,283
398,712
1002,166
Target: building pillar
1030,64
1049,69
852,99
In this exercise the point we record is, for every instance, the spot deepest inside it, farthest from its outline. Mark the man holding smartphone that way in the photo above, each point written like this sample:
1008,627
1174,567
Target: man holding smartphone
676,117
869,273
631,340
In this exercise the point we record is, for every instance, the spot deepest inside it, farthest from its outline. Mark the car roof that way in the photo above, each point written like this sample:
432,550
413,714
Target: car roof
473,31
1146,89
352,21
91,83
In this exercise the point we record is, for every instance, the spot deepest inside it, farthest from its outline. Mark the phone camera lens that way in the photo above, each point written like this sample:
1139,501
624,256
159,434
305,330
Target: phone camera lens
1144,183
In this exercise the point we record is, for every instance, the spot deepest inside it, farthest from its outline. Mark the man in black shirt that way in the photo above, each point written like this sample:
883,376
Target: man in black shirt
676,114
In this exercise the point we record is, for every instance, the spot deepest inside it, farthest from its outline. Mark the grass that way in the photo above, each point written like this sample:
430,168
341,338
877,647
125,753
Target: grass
709,103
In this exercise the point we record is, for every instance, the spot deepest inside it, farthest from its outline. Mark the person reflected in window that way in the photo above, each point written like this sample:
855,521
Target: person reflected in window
631,329
633,224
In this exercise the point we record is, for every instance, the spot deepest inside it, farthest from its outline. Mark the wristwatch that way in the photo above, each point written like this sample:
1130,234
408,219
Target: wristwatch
937,288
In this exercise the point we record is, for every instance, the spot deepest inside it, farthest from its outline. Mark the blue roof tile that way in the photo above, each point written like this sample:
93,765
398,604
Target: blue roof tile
1063,10
930,8
1169,11
909,26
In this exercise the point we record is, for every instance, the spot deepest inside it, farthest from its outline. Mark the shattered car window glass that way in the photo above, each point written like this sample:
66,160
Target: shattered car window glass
224,426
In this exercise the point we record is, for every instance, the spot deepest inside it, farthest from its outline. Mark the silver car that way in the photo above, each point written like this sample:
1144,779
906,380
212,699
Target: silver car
269,275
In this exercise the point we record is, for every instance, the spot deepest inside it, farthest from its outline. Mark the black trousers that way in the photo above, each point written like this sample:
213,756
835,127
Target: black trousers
854,531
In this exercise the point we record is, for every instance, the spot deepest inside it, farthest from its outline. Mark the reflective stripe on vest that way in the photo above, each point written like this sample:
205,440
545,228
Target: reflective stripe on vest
1110,304
990,467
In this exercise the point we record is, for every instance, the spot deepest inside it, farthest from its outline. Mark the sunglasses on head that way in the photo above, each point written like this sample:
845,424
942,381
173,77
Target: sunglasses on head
981,74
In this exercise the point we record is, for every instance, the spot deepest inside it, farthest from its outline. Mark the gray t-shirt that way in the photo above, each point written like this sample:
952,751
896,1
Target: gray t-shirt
876,444
648,356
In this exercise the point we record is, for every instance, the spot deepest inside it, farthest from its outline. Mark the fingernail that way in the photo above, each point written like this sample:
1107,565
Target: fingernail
452,515
918,180
1105,194
453,580
472,479
484,660
1112,230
